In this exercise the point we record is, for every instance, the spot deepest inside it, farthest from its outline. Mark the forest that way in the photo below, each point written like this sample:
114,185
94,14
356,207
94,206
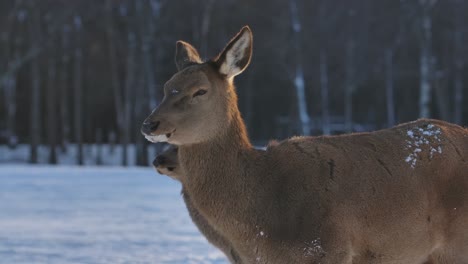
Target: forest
89,72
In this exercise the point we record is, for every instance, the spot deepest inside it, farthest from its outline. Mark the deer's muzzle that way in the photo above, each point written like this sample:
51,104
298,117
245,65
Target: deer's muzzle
149,127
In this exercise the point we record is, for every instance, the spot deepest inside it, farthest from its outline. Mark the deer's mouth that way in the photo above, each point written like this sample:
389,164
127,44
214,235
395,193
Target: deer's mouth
159,138
156,138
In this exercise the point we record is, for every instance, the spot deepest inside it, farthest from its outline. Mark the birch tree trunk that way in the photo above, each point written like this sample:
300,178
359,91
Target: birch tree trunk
425,58
77,90
299,82
389,87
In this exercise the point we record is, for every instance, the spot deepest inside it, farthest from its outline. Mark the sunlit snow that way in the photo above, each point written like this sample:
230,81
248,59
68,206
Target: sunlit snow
96,215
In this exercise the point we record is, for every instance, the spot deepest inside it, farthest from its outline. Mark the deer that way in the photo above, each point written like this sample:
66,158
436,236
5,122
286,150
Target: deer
167,163
396,195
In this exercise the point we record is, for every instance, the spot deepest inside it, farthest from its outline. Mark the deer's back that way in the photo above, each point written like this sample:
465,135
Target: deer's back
404,182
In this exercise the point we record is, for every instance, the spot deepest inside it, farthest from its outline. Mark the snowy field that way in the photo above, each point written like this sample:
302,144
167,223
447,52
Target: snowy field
96,215
110,155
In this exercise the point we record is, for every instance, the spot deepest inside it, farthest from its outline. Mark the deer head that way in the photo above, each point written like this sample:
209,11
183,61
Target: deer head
167,163
199,100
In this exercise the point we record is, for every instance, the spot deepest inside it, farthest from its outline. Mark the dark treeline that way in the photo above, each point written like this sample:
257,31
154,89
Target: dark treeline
90,71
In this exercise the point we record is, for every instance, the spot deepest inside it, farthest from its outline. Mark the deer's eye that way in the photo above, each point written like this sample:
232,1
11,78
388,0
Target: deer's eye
174,91
199,92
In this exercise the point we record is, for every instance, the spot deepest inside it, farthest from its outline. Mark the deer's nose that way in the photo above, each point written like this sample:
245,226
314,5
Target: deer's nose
149,126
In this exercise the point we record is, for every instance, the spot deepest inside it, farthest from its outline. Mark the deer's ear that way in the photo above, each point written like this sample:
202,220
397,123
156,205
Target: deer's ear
186,55
236,55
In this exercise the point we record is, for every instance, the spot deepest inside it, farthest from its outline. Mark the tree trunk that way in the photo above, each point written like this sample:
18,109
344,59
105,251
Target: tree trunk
64,87
458,93
130,80
324,88
116,87
145,79
425,58
9,82
35,116
349,85
324,24
389,87
112,140
139,114
148,41
10,98
299,82
51,100
459,65
77,90
205,26
440,79
195,22
99,146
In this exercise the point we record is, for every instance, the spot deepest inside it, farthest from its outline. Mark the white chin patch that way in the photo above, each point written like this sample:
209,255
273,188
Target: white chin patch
156,139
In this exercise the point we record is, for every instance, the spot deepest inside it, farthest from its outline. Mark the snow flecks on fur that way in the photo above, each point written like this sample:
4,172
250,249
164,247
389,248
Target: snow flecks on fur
313,248
420,137
260,234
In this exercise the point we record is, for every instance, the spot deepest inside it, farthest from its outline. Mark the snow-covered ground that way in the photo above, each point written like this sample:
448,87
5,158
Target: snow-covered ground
69,214
110,155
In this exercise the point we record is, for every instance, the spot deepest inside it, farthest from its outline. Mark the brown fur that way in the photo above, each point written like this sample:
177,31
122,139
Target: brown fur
167,163
388,196
272,144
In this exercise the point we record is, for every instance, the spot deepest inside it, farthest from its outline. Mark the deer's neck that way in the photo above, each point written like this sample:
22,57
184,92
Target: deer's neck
216,170
224,147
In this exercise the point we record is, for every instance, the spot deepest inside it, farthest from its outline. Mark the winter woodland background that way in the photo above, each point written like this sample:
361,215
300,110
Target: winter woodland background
77,78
